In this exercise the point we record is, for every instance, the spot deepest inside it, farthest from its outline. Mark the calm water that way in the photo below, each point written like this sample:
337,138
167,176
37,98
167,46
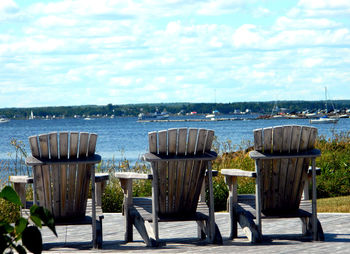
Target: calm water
124,137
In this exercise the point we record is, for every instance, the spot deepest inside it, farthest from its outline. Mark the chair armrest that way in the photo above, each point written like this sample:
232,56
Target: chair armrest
151,157
238,172
19,184
33,161
101,177
21,179
133,175
309,171
266,156
213,172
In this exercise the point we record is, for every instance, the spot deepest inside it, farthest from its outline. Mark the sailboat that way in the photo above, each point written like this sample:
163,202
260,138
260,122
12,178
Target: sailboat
325,118
31,117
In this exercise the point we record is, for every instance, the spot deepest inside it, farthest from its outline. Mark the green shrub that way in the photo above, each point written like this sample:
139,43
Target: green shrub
112,199
335,166
220,193
9,212
142,188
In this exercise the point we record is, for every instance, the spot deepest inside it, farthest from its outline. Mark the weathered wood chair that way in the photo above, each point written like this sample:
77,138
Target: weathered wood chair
180,161
282,156
63,165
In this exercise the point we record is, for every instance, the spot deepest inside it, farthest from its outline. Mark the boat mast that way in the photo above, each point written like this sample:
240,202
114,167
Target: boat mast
325,91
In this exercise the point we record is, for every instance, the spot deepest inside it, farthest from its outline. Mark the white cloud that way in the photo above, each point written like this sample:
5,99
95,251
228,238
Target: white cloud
52,21
283,23
260,74
179,78
321,8
73,75
133,65
8,6
161,96
317,80
246,36
261,12
9,11
311,62
120,81
324,4
173,28
219,7
151,87
161,79
215,42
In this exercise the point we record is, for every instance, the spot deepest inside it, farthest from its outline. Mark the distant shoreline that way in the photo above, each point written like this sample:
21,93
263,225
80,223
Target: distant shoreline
132,110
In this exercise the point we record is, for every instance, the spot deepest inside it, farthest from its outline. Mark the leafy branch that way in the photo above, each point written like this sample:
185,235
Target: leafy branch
24,229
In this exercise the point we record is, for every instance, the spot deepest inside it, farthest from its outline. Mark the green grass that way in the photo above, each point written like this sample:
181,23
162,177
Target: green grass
334,205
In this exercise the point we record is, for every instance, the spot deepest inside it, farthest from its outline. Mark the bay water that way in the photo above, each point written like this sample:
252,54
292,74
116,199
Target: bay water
124,137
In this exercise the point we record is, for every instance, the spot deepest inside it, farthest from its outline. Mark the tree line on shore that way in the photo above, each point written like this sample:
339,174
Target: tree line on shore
172,108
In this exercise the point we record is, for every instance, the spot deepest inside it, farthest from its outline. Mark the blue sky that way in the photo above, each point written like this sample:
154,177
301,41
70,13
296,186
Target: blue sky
75,52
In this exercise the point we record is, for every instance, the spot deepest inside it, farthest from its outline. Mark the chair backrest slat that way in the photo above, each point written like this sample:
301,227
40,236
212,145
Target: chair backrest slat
92,144
44,154
73,145
81,173
171,181
152,142
55,175
83,144
286,147
63,147
210,138
162,174
193,168
302,165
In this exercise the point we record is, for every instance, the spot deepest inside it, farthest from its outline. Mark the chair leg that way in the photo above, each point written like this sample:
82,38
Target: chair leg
320,234
217,236
233,220
20,188
307,228
145,230
201,230
249,227
99,232
231,181
126,185
128,227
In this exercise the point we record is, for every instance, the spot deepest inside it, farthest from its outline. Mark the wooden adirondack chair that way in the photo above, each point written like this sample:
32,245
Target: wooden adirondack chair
180,161
63,165
282,157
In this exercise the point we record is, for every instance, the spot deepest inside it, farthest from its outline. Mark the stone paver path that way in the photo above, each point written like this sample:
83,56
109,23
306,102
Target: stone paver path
181,237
